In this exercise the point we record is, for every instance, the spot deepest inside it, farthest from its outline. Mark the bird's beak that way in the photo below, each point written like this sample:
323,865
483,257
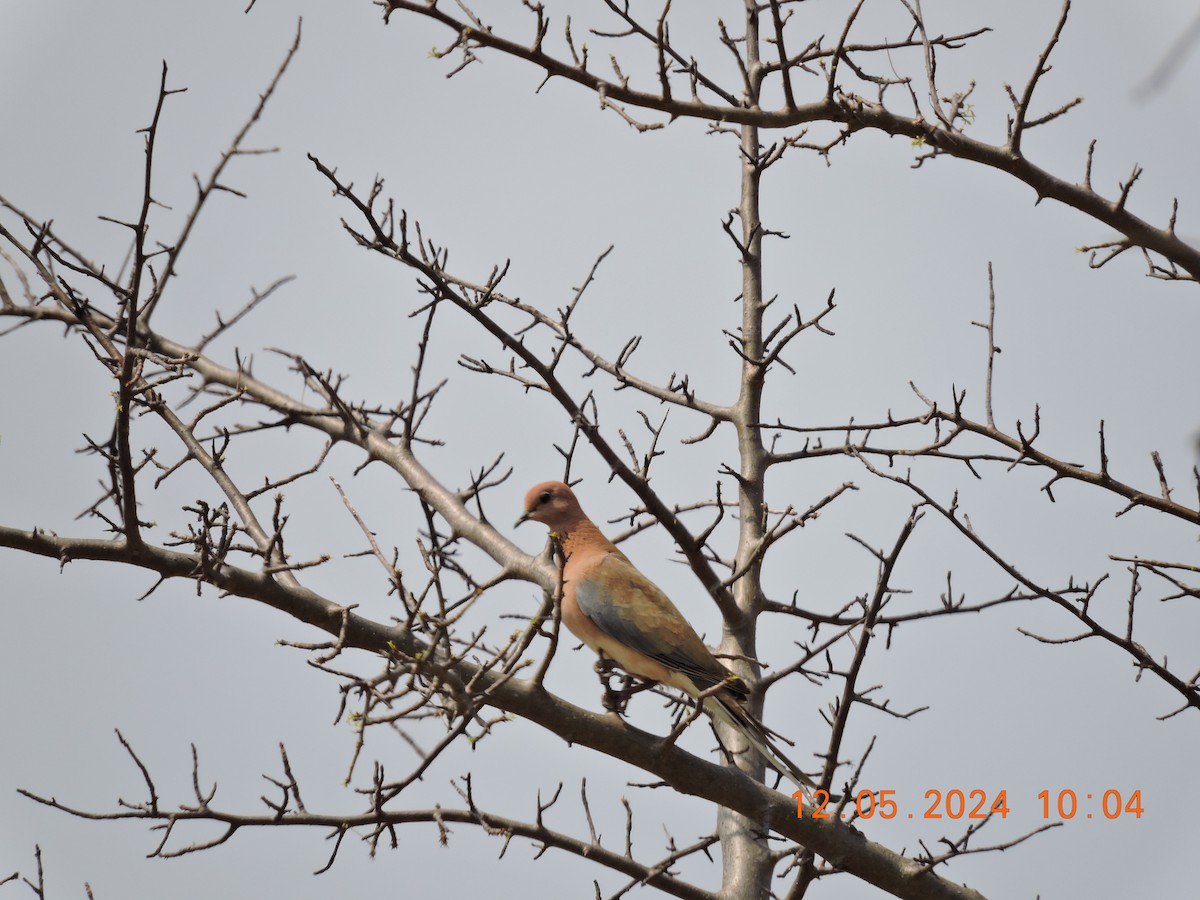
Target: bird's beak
521,521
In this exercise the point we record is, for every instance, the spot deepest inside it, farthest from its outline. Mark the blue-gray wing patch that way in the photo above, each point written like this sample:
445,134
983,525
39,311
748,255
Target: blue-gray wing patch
615,589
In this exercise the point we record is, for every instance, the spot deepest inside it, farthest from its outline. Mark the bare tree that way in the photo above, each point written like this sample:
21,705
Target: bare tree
436,677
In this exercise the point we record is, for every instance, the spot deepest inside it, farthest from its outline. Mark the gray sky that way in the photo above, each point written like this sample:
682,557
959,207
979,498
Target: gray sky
497,171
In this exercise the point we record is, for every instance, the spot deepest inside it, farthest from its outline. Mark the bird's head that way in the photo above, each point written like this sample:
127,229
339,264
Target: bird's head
553,504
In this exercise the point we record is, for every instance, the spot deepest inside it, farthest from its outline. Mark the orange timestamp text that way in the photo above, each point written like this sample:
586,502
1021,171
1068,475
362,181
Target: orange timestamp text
977,804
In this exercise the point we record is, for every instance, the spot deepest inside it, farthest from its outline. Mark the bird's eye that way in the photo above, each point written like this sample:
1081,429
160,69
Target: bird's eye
544,497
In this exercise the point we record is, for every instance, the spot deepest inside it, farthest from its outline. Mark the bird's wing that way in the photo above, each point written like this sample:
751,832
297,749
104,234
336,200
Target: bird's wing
629,607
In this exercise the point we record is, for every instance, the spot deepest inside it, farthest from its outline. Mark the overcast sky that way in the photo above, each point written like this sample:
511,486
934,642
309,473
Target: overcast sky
498,171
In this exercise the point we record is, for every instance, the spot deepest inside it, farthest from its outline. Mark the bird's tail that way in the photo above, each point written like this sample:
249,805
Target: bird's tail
729,711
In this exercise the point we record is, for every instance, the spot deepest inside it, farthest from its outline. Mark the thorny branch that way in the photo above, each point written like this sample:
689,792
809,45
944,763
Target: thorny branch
435,671
941,132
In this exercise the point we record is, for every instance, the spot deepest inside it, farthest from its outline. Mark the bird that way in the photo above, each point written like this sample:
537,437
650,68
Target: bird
621,614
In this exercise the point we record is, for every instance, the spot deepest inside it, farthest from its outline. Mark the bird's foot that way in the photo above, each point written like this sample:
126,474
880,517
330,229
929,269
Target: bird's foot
616,699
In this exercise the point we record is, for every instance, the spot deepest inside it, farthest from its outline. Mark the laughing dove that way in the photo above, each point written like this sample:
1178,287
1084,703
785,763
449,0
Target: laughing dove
621,614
